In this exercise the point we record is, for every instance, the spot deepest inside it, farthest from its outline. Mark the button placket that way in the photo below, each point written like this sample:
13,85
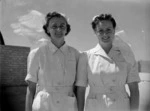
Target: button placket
61,58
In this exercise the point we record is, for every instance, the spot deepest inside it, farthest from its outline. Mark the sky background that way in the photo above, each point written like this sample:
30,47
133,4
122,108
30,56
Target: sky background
21,21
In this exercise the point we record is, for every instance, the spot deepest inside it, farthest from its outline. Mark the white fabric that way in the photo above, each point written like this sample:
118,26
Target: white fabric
106,75
54,71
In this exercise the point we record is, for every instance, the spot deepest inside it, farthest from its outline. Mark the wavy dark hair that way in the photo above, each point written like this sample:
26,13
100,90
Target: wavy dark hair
102,17
49,16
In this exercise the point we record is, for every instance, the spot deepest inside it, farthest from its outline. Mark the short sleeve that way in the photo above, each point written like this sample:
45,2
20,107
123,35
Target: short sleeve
133,74
82,75
33,65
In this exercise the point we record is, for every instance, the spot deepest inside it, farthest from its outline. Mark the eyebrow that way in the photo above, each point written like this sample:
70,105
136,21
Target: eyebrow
56,24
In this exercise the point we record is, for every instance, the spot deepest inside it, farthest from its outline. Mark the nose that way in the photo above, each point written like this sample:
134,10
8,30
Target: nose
104,35
58,29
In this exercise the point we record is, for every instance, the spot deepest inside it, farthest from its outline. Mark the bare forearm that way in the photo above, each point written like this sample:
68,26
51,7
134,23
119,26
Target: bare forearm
29,99
134,96
134,101
80,98
29,102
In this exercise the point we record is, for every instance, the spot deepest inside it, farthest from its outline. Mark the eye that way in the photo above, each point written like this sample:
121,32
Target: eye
108,31
100,31
62,26
54,26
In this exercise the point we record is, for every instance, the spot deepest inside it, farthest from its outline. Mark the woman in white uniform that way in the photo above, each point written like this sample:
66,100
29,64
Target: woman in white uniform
106,70
51,69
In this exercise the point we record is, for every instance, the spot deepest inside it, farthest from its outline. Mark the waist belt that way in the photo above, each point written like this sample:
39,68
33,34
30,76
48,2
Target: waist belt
112,92
60,89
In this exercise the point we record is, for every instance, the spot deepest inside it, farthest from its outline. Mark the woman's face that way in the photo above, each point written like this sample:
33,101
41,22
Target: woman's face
105,33
57,27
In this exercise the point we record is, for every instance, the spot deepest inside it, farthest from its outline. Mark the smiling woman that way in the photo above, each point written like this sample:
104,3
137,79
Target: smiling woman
106,70
105,30
52,69
56,28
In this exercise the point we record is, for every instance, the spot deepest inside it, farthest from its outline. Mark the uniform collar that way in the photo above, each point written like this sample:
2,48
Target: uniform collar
54,49
98,50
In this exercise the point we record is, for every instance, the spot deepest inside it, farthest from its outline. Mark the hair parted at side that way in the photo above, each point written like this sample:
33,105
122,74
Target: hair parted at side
101,17
49,16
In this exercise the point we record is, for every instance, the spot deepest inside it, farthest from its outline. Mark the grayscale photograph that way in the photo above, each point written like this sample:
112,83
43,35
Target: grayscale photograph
74,55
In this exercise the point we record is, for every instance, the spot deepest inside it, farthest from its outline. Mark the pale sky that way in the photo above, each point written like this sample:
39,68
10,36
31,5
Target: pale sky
21,21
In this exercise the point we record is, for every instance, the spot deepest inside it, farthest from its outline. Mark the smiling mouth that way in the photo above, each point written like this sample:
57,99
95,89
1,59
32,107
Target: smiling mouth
106,39
58,34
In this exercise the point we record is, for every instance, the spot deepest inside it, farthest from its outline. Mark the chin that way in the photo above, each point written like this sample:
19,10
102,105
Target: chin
107,42
59,36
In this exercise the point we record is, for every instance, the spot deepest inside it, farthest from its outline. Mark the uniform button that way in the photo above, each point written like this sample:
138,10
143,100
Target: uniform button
110,89
59,83
114,100
114,80
56,88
